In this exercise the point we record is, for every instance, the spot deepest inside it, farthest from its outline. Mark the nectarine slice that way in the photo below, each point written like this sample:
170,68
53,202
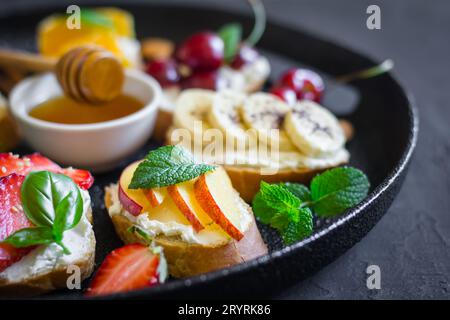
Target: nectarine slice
180,196
216,196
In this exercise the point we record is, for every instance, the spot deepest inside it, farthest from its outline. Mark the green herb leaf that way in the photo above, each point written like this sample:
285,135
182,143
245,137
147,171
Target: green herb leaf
53,202
30,237
42,192
231,35
338,189
279,198
299,190
95,18
167,166
276,205
300,229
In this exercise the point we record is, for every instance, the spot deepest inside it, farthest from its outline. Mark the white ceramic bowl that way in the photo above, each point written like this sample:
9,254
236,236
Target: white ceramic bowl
97,147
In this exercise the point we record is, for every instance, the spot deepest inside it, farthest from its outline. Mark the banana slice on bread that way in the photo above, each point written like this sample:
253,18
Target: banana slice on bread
264,113
225,115
191,110
314,130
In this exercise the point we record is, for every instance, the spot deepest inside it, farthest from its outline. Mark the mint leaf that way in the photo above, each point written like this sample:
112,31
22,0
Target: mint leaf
30,237
299,190
274,204
167,166
279,198
338,189
262,210
231,35
300,229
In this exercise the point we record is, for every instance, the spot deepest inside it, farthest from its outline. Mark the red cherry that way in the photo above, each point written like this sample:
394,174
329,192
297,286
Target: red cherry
284,93
245,55
164,71
201,51
204,80
306,83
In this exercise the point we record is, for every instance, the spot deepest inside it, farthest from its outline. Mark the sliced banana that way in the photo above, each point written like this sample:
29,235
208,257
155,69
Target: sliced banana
190,115
225,116
264,113
314,130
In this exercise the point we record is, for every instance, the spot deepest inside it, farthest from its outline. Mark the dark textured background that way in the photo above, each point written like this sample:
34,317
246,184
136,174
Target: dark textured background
411,244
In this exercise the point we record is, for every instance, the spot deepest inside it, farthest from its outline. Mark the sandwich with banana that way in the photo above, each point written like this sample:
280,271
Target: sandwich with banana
189,209
46,225
258,137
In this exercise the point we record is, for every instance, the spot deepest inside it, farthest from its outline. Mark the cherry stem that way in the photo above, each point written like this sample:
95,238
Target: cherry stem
260,22
368,73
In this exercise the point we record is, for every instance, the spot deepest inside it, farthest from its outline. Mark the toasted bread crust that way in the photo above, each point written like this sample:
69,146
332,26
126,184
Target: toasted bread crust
185,259
48,281
247,180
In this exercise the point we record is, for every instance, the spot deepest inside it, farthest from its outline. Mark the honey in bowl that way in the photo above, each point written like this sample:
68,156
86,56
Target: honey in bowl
67,111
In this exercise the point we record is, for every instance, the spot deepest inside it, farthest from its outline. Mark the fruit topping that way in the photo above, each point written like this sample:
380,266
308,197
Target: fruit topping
201,51
10,163
12,218
130,267
307,84
164,71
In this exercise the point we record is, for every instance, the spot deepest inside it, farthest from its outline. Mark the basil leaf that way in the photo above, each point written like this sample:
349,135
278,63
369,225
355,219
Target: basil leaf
167,166
30,237
62,211
231,35
43,191
338,189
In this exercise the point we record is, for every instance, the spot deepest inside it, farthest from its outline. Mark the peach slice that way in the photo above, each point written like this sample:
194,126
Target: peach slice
216,196
183,196
135,200
155,196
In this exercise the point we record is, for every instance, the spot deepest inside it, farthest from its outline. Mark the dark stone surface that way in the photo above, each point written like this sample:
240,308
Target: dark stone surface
411,244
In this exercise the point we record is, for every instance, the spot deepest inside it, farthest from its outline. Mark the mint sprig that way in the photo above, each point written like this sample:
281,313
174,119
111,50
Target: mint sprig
336,190
53,202
288,207
167,166
274,204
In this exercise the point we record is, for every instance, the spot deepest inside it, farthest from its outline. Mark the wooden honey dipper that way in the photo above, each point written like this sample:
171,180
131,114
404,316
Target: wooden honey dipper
88,74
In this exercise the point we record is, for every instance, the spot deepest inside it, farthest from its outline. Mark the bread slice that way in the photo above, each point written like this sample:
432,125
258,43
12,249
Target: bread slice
187,259
14,284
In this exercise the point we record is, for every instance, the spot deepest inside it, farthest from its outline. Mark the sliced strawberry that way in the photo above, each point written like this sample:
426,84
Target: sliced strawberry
12,218
10,163
130,267
83,178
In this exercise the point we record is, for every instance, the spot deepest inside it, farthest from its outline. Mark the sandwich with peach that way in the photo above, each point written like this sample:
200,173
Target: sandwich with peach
189,209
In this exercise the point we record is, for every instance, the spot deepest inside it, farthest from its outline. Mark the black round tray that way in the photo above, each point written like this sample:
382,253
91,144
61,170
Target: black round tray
386,127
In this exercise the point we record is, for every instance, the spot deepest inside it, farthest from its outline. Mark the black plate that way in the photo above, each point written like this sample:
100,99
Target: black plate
386,126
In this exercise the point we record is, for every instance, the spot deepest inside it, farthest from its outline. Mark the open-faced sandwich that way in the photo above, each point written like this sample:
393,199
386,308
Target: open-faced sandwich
189,209
45,224
258,137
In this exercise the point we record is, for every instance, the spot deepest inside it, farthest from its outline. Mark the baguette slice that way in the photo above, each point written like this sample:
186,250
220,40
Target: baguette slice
187,259
55,278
